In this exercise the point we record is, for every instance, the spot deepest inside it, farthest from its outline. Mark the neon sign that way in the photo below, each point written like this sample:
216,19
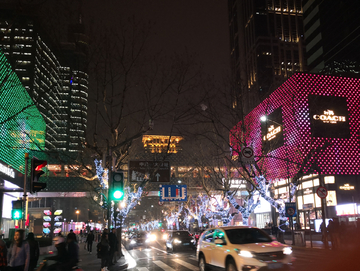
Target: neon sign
7,171
272,133
347,187
330,117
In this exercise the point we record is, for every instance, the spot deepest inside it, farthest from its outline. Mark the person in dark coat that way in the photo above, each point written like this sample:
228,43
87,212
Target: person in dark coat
34,251
3,255
103,250
89,240
60,257
113,245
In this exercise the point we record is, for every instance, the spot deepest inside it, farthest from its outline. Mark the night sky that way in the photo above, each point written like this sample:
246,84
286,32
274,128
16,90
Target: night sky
199,27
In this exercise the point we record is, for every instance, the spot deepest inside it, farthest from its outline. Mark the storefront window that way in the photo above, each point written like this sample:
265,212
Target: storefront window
317,202
331,198
309,199
300,202
329,179
316,182
283,190
307,184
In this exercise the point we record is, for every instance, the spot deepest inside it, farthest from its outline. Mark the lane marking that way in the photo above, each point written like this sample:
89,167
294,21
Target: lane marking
187,265
163,266
142,269
163,251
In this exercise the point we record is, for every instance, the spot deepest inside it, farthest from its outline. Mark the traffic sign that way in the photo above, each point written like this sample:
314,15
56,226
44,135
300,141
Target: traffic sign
247,155
290,209
322,192
158,171
173,192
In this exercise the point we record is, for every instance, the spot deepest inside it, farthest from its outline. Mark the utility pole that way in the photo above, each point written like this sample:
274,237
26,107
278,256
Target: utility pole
25,195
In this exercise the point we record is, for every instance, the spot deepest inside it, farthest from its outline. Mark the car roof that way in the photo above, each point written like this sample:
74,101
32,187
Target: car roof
232,227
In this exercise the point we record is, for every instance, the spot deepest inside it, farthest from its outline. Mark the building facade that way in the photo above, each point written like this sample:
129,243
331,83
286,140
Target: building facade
58,89
266,46
332,35
22,131
311,134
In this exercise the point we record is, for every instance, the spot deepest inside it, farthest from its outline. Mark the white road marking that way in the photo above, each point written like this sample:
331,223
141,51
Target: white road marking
164,266
163,251
187,265
142,269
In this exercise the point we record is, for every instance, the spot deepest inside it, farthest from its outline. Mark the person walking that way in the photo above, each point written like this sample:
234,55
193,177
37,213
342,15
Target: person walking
103,251
113,245
89,240
333,229
3,255
34,251
18,256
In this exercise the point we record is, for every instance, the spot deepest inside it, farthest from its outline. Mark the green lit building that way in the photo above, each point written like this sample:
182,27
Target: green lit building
53,75
22,130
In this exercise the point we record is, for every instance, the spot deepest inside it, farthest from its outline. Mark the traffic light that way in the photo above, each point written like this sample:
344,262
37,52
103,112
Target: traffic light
36,171
17,210
116,191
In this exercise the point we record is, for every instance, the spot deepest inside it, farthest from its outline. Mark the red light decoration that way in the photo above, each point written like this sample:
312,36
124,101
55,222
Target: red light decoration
341,157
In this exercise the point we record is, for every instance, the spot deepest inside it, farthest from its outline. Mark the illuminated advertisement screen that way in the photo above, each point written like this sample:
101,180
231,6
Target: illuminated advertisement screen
272,131
329,116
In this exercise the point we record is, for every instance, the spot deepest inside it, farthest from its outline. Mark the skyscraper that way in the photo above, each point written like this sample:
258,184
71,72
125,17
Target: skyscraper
332,34
266,39
57,86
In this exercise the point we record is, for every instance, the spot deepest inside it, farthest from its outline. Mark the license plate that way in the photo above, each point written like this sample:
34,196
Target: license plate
275,265
186,244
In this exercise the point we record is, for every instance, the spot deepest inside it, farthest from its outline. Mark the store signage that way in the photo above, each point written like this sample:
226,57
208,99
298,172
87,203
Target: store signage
329,117
7,170
272,133
347,187
346,209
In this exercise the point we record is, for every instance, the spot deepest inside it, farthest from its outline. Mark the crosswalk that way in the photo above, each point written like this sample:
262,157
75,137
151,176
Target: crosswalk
169,265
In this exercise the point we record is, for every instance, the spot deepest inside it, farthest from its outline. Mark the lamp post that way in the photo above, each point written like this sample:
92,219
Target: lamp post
77,215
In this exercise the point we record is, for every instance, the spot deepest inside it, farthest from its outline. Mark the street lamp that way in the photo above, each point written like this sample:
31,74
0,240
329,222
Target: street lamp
77,215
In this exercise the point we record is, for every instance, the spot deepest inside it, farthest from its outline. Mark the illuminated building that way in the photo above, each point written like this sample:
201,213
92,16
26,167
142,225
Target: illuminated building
57,87
159,143
319,120
266,46
22,130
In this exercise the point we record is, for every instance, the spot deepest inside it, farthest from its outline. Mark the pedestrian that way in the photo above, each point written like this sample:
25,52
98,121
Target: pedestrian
60,257
3,255
71,256
333,229
72,233
89,240
324,233
103,249
18,256
113,245
34,251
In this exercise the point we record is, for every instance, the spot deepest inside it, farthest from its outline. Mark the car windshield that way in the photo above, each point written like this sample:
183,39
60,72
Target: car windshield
247,236
181,234
141,234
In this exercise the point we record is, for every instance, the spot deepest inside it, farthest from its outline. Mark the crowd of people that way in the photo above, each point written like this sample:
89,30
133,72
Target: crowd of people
23,254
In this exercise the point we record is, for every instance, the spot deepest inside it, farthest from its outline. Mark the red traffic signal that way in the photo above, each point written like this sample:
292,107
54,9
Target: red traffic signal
36,171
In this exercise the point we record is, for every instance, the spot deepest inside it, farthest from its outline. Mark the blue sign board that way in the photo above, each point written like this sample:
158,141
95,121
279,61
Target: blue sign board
173,192
290,209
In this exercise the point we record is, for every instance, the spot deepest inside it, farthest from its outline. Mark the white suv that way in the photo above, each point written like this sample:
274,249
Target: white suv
241,249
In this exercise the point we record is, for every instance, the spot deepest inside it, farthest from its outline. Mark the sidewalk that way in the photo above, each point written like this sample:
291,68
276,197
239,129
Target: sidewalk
90,262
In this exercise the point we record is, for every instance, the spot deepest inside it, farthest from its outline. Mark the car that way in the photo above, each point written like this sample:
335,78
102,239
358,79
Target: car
177,240
138,239
241,248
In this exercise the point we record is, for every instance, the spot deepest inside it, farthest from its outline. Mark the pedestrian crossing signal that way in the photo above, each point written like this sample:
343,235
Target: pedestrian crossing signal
17,210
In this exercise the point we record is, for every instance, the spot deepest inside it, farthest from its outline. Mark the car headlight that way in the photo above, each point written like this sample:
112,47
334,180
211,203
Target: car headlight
165,236
132,242
246,254
152,237
287,250
177,241
192,241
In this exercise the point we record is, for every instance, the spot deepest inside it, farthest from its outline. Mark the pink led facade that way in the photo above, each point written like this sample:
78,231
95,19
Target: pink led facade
299,122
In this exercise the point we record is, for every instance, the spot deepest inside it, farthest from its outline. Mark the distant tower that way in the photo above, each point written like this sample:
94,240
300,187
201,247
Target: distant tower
266,39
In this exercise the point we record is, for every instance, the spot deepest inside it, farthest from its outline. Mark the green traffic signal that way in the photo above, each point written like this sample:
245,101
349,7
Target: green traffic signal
118,194
117,186
16,214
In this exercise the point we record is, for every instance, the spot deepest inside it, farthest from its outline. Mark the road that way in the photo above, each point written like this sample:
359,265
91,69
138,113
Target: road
155,258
